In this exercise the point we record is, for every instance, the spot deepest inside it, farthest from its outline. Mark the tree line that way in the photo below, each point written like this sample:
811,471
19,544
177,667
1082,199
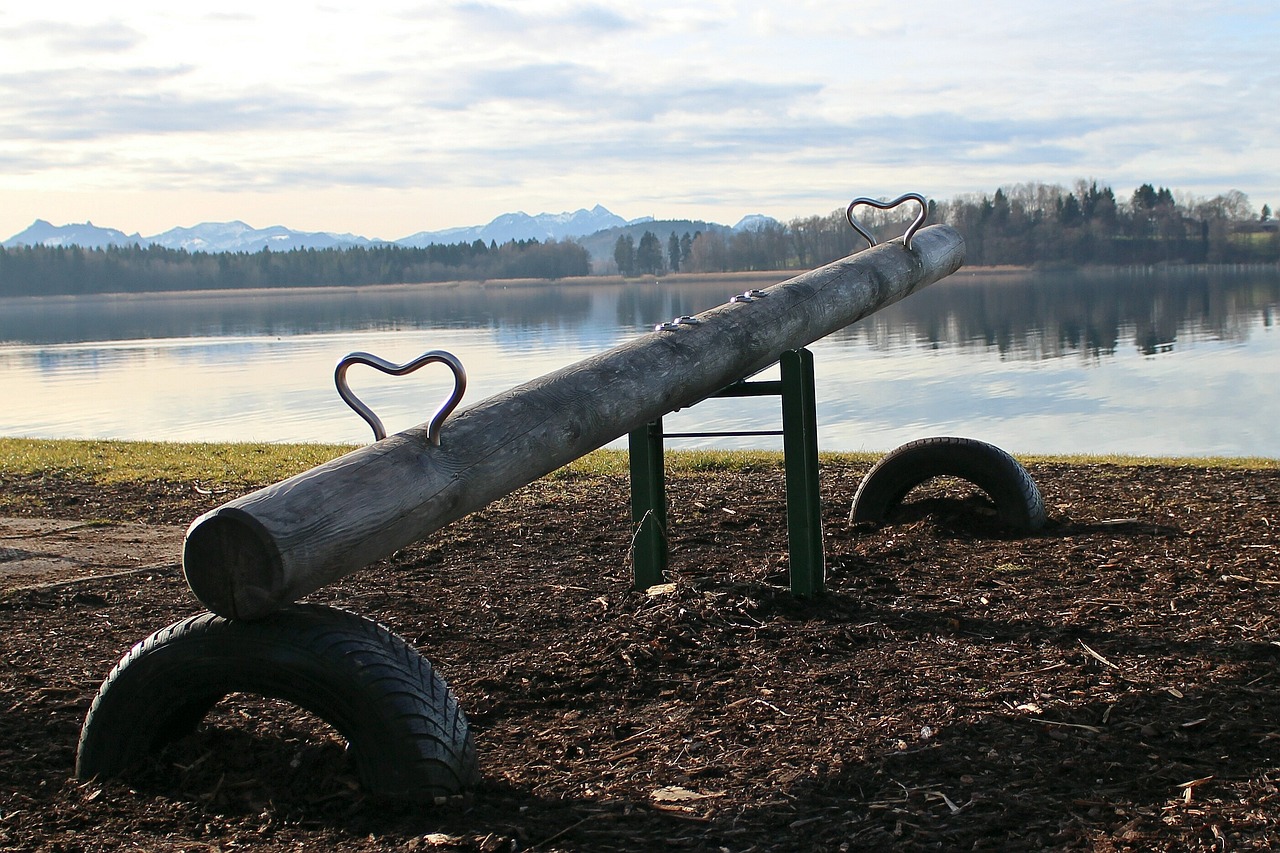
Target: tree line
1024,225
72,270
1032,224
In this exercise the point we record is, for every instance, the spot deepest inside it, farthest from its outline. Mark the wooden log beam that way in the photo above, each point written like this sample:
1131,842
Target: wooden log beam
259,552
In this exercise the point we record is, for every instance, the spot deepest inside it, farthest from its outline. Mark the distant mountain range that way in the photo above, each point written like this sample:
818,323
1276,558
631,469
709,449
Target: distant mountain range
239,237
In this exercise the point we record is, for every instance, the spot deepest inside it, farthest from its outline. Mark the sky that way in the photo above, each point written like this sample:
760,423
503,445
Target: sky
383,119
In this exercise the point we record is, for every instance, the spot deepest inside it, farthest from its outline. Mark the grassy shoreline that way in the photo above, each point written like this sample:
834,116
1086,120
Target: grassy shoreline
230,464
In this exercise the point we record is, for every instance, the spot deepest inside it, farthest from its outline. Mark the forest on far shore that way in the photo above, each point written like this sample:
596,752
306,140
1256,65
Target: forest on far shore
1022,225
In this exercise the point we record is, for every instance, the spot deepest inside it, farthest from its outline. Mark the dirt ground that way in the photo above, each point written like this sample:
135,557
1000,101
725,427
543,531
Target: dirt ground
1109,683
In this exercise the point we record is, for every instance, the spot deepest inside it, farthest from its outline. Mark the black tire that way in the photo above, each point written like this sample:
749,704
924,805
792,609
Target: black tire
406,733
1017,500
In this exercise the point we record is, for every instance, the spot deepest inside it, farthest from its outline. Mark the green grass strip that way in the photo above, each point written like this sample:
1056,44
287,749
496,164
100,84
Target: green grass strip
123,461
233,464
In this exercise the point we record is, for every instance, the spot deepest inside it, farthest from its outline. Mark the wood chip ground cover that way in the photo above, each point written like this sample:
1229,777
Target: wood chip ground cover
1109,683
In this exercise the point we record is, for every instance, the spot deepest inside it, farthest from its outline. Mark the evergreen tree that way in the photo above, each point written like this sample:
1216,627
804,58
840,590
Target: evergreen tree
649,254
1144,198
624,255
1000,209
1069,212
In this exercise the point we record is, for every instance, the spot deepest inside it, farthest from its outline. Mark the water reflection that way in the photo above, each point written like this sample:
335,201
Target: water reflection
288,312
1042,315
1170,363
1048,315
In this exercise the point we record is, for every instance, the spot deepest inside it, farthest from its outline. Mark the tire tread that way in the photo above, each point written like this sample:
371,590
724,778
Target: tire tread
408,734
1018,501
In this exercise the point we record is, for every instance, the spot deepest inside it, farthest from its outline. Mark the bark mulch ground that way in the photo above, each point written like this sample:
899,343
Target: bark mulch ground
1109,683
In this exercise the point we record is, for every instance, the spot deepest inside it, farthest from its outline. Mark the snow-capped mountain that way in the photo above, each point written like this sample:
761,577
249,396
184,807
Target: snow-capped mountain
86,234
205,237
522,226
237,236
754,222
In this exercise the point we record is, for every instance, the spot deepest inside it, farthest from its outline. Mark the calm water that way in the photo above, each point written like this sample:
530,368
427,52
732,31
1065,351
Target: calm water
1167,364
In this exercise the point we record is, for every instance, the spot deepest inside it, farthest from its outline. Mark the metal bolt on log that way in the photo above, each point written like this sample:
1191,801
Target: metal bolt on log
259,552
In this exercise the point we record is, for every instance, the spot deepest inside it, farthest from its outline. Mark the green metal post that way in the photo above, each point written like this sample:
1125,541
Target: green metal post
648,505
800,451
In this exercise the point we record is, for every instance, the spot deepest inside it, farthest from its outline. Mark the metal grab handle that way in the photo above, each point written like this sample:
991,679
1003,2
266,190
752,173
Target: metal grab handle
380,432
889,205
677,323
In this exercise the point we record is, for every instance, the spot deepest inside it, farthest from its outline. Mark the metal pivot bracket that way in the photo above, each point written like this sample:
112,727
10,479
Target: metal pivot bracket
432,357
800,454
889,205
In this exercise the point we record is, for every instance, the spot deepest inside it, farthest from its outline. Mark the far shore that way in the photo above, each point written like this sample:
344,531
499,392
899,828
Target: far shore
744,278
741,278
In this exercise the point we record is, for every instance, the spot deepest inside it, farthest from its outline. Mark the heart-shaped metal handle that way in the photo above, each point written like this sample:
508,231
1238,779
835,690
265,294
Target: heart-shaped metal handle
432,357
889,205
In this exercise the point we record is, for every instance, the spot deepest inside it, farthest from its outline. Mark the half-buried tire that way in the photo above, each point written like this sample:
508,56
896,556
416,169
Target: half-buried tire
407,735
1017,500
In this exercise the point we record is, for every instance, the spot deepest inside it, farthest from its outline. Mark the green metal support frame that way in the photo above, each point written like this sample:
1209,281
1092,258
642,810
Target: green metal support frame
800,452
648,505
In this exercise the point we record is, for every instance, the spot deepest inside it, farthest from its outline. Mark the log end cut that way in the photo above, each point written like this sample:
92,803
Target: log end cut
232,564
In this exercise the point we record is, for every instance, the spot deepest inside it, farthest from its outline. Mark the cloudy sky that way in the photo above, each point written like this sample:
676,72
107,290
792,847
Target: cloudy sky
387,118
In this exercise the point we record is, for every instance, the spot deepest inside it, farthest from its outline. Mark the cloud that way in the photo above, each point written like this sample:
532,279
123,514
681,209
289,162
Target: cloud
590,95
730,137
521,105
63,37
559,83
577,17
99,105
104,117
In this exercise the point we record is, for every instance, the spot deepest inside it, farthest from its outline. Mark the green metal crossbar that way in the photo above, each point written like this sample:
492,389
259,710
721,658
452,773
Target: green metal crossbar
800,453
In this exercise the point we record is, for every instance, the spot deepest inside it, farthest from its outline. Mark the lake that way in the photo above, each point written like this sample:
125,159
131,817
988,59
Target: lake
1157,363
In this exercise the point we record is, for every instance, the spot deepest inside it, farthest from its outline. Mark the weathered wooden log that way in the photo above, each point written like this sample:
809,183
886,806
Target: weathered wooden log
259,552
